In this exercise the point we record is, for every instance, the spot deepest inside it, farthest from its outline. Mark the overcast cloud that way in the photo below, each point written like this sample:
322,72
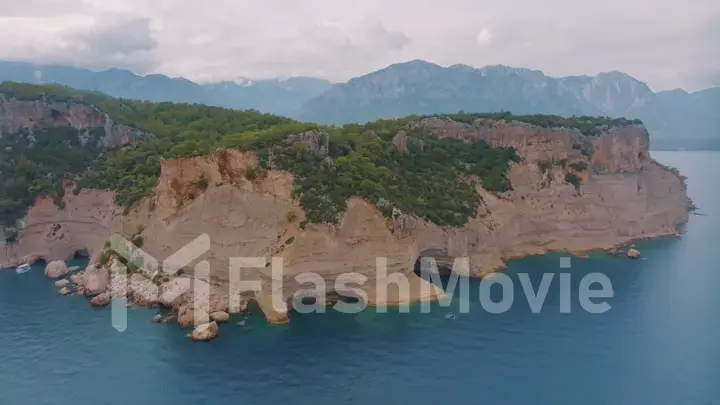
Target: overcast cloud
666,43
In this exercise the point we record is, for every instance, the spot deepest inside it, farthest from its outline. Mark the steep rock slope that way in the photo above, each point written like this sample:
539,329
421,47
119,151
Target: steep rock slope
27,116
624,196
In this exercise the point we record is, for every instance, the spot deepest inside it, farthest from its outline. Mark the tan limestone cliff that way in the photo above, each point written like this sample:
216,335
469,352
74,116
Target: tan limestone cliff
624,196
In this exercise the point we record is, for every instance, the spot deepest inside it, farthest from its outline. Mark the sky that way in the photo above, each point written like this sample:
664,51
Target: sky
665,43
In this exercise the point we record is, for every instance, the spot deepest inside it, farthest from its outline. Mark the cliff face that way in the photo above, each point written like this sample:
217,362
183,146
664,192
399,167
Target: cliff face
17,116
618,149
49,233
248,212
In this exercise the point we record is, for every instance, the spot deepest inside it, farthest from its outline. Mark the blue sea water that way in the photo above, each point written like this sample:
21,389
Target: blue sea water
658,344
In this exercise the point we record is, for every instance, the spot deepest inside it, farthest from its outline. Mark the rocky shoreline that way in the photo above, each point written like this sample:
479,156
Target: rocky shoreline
621,196
96,283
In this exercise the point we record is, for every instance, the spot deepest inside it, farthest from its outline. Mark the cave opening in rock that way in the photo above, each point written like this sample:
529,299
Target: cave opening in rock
81,254
442,267
331,298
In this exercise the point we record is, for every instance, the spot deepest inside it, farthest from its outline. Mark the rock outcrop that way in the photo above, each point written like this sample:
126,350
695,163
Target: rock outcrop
101,300
204,332
62,283
633,254
51,233
220,316
95,279
188,316
17,116
623,196
56,269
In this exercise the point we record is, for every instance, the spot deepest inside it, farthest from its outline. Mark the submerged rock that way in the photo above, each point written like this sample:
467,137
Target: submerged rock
56,269
206,331
633,254
157,318
220,316
64,291
61,283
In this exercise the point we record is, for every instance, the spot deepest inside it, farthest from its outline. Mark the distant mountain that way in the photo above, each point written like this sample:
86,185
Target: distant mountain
282,97
417,87
676,119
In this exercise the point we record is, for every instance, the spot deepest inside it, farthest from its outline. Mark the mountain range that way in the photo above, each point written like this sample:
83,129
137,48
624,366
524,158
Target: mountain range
676,119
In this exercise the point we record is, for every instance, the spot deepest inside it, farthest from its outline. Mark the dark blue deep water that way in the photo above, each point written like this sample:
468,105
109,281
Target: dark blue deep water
659,344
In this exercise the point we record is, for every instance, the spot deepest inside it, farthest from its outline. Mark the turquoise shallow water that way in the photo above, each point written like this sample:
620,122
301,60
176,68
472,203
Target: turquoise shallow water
657,345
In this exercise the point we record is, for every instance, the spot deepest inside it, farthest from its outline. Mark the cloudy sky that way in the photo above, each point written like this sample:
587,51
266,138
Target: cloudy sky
666,43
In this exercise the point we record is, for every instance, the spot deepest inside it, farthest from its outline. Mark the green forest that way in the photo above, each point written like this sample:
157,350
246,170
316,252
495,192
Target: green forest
432,181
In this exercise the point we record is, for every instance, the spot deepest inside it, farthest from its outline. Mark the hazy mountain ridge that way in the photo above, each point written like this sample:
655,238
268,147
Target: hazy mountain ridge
273,96
676,119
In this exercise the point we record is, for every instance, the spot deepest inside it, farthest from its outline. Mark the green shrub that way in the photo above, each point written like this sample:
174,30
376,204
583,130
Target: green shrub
544,166
104,257
572,178
579,166
202,184
251,173
290,240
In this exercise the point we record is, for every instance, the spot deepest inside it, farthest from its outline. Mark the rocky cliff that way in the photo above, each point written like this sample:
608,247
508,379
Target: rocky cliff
249,212
19,116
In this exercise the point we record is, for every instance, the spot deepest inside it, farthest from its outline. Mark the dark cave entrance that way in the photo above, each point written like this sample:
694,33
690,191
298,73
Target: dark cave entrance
442,267
330,299
81,254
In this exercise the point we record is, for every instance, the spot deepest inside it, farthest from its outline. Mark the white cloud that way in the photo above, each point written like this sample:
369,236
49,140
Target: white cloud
666,43
484,37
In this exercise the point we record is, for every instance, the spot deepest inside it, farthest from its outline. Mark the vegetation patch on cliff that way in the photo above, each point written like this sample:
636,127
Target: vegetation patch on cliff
588,125
432,178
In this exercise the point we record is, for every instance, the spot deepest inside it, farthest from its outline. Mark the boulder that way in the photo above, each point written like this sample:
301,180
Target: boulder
157,318
190,317
206,331
56,269
64,291
101,300
633,254
95,280
220,316
61,283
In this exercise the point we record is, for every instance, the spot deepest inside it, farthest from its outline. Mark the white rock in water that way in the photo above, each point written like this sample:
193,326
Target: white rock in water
206,331
633,254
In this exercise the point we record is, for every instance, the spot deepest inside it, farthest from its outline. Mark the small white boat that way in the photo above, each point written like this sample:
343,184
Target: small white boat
22,269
